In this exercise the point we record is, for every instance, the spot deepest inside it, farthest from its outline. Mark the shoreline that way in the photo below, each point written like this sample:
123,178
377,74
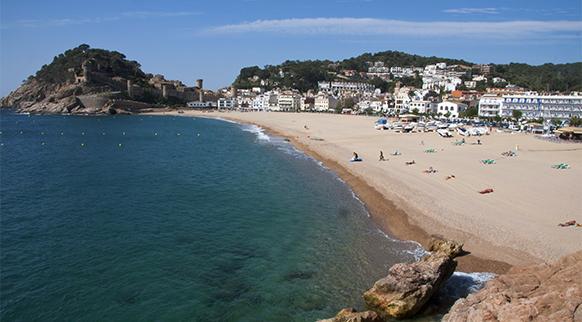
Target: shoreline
386,213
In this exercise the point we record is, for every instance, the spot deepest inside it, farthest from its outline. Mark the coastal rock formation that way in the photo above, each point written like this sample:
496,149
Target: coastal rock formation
448,247
86,80
408,287
546,292
351,315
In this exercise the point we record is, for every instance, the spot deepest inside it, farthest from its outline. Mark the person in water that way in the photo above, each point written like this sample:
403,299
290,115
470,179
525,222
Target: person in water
381,156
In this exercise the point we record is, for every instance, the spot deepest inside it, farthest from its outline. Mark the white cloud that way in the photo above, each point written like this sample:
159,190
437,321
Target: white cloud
379,27
488,11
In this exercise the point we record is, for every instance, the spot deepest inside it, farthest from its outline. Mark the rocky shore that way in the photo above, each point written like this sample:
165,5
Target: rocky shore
546,292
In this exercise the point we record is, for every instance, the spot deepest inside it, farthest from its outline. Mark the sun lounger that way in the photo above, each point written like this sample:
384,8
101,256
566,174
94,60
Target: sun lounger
430,151
561,166
488,161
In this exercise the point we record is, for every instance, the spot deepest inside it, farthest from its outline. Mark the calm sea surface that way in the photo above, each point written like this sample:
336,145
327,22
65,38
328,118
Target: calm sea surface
179,219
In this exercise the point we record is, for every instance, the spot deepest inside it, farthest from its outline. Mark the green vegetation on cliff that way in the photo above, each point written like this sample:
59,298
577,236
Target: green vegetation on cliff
111,63
304,75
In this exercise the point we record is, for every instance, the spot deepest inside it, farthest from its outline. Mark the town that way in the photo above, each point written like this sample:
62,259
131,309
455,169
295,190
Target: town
438,90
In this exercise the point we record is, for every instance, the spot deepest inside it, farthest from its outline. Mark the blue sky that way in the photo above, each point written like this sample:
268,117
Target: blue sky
212,40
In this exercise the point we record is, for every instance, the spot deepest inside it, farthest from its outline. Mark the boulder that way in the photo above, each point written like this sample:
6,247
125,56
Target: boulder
351,315
408,287
448,247
546,292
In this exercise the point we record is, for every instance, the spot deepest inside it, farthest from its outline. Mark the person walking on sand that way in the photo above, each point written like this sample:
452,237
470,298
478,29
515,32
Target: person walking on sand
381,156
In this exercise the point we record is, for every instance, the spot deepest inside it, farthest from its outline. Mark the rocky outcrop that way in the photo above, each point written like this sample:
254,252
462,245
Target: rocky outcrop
351,315
451,248
546,292
408,287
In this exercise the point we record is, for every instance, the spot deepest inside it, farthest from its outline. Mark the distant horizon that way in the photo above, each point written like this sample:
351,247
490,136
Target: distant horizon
213,41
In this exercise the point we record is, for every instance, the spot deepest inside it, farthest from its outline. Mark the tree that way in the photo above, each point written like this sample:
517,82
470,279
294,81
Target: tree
575,121
415,111
556,122
448,114
516,114
470,112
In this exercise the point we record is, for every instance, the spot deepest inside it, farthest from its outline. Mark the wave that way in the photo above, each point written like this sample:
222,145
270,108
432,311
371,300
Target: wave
258,131
462,284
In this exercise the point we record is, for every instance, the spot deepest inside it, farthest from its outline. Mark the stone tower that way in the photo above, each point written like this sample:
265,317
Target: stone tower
200,91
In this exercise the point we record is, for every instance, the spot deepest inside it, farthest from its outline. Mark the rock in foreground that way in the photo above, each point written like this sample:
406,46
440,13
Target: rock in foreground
351,315
536,293
408,287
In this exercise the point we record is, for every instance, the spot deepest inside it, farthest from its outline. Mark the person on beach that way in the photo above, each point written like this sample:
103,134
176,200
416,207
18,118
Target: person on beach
478,142
355,157
381,156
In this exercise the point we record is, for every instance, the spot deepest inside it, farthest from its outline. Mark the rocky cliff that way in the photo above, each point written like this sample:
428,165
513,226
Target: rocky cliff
546,292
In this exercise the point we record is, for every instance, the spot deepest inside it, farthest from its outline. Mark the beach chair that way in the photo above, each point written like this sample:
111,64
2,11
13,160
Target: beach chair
561,166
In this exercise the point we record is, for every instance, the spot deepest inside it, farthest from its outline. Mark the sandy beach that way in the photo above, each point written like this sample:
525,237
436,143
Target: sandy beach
516,224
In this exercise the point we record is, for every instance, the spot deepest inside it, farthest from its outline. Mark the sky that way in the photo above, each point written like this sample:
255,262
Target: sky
213,40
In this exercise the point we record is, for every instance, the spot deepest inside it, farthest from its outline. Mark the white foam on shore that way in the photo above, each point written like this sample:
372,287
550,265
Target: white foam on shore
417,252
226,120
258,131
462,284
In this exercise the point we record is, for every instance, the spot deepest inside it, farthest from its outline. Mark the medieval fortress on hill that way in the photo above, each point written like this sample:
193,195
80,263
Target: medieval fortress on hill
125,93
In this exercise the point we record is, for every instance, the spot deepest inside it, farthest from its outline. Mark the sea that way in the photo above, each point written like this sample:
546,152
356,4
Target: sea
169,218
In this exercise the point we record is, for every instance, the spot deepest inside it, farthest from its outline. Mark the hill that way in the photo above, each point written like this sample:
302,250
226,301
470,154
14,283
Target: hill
304,75
86,80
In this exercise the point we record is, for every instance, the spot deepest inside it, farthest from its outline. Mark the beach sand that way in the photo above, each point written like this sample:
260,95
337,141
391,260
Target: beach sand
517,224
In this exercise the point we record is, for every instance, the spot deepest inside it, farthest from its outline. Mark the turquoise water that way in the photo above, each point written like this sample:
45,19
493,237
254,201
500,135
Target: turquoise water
130,218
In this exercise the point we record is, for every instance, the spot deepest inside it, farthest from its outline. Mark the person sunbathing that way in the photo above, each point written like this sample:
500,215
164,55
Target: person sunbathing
430,170
452,176
410,162
567,223
488,190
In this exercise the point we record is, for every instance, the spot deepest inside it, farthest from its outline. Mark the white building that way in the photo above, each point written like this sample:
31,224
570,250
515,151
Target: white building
490,105
422,106
470,84
451,108
288,101
325,102
546,106
226,103
437,82
345,87
198,104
